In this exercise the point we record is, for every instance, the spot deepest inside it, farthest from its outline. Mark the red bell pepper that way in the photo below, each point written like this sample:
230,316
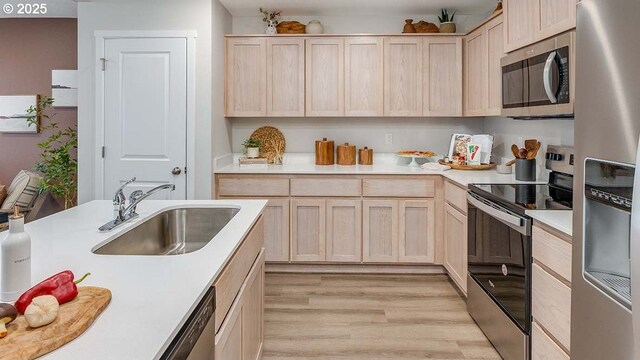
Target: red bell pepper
60,285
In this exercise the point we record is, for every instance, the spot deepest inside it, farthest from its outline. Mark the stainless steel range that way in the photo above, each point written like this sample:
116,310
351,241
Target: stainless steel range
499,251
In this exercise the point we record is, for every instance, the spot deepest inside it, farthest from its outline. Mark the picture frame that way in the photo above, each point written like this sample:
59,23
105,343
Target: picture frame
13,114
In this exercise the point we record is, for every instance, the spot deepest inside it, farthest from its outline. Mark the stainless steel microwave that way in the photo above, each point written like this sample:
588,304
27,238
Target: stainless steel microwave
537,81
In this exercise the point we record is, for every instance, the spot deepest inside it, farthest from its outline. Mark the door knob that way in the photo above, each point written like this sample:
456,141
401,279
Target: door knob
176,171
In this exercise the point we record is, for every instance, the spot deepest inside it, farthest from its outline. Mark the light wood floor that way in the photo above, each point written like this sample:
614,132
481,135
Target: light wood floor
368,317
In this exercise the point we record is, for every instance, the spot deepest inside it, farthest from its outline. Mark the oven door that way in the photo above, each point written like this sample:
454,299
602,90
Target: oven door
499,257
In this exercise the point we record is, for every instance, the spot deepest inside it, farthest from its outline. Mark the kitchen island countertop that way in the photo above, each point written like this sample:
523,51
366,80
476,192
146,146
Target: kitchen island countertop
152,296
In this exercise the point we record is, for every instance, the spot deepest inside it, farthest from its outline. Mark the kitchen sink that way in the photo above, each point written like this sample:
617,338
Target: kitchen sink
171,232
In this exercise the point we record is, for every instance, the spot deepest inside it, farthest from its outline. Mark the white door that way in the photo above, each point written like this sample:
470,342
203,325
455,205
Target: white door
145,114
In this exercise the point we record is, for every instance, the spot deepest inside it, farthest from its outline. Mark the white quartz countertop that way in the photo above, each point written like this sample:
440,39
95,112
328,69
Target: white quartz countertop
152,296
561,220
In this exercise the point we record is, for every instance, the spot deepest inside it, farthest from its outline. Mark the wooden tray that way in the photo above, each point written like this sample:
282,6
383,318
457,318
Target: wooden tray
73,319
468,167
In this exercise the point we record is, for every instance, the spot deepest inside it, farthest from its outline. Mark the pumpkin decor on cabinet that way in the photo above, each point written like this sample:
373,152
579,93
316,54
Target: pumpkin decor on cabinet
446,22
425,27
408,27
291,27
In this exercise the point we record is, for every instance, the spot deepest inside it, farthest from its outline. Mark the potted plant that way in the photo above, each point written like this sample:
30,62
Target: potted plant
271,18
58,162
446,23
251,148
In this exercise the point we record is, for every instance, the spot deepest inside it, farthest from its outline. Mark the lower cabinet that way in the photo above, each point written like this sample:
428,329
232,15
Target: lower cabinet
344,230
276,230
417,231
241,335
308,229
455,238
380,230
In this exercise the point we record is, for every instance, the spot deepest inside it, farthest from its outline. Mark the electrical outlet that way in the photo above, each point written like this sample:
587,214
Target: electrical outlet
388,139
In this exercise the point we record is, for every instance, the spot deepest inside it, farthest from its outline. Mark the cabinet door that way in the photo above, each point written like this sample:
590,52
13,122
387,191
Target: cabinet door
324,77
344,230
402,76
276,230
380,231
495,51
285,77
442,76
246,77
417,231
363,76
307,230
475,67
253,312
228,341
518,21
553,17
455,254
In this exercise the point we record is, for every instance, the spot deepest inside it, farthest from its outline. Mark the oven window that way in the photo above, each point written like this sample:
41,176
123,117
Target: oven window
500,262
514,85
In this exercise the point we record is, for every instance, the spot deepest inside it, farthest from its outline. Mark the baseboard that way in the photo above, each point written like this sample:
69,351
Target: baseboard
354,268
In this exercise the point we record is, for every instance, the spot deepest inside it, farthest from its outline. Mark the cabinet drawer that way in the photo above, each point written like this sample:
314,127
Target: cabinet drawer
551,305
250,186
455,196
543,347
326,187
398,187
552,252
232,277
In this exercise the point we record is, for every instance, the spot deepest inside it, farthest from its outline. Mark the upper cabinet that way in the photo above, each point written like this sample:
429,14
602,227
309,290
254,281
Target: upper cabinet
442,76
363,76
325,77
529,21
246,77
285,77
483,48
403,76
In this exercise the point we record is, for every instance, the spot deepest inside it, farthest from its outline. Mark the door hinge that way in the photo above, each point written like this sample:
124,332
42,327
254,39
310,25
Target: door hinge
103,151
104,63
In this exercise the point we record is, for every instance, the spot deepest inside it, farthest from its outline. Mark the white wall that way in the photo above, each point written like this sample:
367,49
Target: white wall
356,24
143,15
408,133
221,126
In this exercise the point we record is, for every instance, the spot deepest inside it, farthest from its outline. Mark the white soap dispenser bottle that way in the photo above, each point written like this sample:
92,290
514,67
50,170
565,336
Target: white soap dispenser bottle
15,261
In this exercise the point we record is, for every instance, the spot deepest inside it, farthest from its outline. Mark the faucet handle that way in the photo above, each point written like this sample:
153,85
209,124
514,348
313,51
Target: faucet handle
135,196
118,197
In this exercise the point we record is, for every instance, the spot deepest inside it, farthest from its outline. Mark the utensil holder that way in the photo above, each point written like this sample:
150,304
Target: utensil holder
526,169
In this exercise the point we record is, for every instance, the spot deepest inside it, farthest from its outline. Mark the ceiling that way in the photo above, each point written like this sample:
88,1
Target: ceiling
357,7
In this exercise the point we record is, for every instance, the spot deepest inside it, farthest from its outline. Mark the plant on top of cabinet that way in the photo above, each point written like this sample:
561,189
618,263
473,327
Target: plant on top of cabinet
251,148
270,17
446,23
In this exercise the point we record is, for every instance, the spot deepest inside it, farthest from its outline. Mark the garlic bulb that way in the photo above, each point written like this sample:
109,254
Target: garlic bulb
42,311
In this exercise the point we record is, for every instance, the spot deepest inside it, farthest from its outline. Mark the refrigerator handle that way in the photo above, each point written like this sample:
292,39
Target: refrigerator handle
635,257
547,76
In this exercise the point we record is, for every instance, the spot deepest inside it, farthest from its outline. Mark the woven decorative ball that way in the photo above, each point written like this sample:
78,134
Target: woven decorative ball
272,142
290,27
426,27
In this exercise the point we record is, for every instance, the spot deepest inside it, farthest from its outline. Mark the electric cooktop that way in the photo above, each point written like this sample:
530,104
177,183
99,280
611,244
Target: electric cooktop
522,197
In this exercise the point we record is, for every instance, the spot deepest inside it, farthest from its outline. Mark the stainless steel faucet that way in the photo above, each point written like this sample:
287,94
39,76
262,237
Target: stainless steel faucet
123,213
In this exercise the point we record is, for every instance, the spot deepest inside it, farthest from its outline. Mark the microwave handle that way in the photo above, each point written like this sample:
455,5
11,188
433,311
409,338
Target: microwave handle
547,76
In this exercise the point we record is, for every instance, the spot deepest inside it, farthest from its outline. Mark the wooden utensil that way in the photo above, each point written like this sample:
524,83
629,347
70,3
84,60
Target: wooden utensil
522,153
346,154
509,163
530,144
515,150
537,147
73,319
365,156
324,152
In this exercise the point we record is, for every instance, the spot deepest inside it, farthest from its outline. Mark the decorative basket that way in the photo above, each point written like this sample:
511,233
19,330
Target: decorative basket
291,27
426,27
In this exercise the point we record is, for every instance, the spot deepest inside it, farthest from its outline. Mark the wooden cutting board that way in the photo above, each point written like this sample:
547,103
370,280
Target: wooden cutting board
73,319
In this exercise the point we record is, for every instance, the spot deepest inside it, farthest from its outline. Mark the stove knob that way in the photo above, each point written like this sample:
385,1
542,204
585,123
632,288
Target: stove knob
558,157
548,156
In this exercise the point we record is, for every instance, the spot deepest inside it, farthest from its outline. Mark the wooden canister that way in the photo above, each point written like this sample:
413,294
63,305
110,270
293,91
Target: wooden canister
365,156
346,154
324,152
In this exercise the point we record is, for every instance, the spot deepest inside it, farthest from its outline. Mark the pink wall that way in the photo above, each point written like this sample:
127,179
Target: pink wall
29,50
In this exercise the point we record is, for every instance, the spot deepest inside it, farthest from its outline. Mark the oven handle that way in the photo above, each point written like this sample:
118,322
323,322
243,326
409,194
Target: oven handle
517,223
547,76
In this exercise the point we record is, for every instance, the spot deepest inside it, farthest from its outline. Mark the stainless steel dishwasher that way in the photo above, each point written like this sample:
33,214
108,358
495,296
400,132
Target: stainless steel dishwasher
196,338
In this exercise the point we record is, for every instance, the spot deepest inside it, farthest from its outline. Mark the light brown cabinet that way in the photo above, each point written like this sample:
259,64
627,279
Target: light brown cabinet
442,76
276,230
242,333
344,230
308,229
483,49
403,76
285,77
324,77
363,76
417,231
529,21
380,230
455,238
245,77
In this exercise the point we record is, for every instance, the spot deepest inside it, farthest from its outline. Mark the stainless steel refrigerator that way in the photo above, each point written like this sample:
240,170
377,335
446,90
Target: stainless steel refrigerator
606,230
